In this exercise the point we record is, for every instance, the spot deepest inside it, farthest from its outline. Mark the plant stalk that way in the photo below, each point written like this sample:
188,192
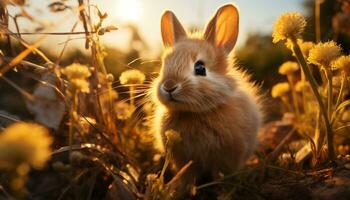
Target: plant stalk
313,84
329,91
72,117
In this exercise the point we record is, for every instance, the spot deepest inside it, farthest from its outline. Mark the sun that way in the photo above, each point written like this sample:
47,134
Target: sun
129,10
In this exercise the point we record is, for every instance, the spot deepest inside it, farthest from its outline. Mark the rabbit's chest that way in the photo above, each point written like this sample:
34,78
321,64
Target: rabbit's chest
202,141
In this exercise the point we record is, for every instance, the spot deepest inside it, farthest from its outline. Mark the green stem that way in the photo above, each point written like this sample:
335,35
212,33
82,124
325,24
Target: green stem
313,84
72,117
286,102
328,74
303,92
341,91
132,96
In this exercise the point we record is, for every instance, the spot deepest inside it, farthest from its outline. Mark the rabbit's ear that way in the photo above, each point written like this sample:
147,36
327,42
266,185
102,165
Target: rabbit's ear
222,29
171,29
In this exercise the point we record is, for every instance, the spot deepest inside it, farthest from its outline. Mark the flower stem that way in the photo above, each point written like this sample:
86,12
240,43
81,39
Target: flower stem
72,117
341,91
329,92
313,84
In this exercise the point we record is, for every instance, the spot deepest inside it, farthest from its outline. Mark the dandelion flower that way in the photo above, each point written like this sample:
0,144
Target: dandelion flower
288,67
300,85
81,85
77,75
306,47
323,54
123,110
76,71
343,63
132,76
110,78
24,143
288,25
280,89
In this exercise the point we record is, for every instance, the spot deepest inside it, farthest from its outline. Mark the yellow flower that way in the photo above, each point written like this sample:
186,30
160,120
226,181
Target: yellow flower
77,75
288,25
306,47
288,68
323,54
76,71
81,85
300,85
343,63
24,143
123,110
132,76
280,89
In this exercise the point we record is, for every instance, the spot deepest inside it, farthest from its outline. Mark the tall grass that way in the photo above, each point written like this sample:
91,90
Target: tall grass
101,142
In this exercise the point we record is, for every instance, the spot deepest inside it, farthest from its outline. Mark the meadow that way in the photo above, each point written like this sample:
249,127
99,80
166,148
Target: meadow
77,125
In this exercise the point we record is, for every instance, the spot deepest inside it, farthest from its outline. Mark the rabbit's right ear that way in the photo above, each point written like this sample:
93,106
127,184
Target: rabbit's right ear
171,29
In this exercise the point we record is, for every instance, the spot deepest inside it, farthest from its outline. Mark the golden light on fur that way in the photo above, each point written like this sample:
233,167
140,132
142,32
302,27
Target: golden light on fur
216,113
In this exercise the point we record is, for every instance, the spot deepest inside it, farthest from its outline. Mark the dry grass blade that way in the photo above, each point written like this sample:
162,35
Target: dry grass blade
32,47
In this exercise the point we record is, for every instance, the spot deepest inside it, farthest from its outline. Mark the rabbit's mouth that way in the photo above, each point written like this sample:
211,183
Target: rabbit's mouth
169,99
173,99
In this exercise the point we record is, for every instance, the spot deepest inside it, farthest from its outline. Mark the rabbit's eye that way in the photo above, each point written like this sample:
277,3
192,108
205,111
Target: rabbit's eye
199,68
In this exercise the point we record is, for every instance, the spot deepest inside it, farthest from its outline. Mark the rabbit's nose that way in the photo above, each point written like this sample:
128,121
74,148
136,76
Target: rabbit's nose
169,85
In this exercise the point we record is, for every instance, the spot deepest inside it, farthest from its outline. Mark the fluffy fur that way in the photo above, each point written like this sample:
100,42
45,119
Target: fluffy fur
217,115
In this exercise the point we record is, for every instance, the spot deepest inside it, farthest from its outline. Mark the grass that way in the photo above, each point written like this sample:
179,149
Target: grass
101,140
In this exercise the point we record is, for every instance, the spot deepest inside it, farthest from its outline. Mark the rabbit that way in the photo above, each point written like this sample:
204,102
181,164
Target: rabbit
204,98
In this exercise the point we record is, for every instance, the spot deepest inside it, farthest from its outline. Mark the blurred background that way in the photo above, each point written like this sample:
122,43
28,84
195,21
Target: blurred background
137,42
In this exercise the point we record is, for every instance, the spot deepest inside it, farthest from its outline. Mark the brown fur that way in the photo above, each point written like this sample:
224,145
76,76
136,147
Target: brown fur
218,115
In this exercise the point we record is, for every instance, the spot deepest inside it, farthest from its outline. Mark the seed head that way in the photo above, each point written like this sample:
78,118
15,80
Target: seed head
77,75
342,63
300,85
132,76
280,89
288,67
323,54
289,25
24,143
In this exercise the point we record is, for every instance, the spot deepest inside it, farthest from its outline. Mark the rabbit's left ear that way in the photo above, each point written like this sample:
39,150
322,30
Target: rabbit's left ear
222,29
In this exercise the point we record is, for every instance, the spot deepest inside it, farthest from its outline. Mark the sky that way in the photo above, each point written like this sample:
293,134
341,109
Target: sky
255,16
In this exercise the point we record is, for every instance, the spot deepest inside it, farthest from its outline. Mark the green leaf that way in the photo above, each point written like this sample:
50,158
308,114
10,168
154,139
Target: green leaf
342,127
343,105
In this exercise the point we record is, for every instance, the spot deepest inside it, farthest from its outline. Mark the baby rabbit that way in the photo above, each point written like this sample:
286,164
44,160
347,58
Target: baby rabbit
204,98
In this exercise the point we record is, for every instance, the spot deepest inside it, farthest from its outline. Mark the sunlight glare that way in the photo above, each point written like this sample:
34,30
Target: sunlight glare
129,10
